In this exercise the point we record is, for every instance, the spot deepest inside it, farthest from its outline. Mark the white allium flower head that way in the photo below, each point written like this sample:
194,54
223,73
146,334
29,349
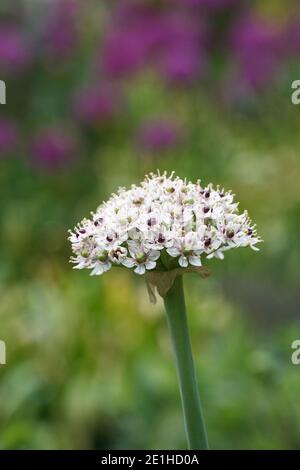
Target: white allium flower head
163,224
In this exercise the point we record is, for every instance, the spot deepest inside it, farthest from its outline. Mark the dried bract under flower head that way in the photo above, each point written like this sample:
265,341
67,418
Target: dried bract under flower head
162,224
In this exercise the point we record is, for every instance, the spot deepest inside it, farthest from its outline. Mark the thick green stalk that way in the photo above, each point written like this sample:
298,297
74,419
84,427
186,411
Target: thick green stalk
178,326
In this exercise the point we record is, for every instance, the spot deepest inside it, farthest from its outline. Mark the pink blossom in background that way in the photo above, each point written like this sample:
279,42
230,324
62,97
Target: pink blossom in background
181,56
130,41
256,47
159,135
124,52
8,136
60,31
170,40
96,104
53,148
182,63
15,50
212,4
291,38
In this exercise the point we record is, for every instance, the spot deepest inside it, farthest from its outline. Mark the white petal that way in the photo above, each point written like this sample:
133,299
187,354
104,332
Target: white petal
128,262
150,264
79,266
106,266
97,271
183,262
195,260
173,252
140,269
154,255
254,248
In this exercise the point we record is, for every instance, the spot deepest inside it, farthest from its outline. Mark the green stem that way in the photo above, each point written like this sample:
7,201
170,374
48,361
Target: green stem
178,326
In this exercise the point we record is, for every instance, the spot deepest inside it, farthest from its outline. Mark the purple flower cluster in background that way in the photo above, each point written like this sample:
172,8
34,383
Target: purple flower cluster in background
210,4
170,40
181,41
60,30
15,51
159,135
257,49
53,148
96,104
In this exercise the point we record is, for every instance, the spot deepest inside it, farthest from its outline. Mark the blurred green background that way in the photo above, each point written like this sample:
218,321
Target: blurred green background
89,361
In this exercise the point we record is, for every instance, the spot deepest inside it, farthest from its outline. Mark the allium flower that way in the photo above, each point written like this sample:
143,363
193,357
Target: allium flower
257,48
60,31
134,33
96,104
15,50
144,34
53,148
211,4
163,228
181,56
182,64
159,135
291,38
163,224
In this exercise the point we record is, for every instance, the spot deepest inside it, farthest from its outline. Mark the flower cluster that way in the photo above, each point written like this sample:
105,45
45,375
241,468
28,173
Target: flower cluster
180,42
164,223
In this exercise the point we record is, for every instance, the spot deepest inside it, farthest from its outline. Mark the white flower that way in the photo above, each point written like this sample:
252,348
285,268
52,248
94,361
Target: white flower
100,267
118,254
141,258
163,221
159,238
188,248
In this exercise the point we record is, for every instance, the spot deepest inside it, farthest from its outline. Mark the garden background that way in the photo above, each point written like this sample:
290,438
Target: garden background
99,94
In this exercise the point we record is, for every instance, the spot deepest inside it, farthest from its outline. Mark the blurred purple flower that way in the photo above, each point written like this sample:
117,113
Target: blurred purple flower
181,56
159,135
96,104
210,4
131,39
182,63
53,148
60,30
291,38
15,50
256,46
141,35
8,136
124,52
